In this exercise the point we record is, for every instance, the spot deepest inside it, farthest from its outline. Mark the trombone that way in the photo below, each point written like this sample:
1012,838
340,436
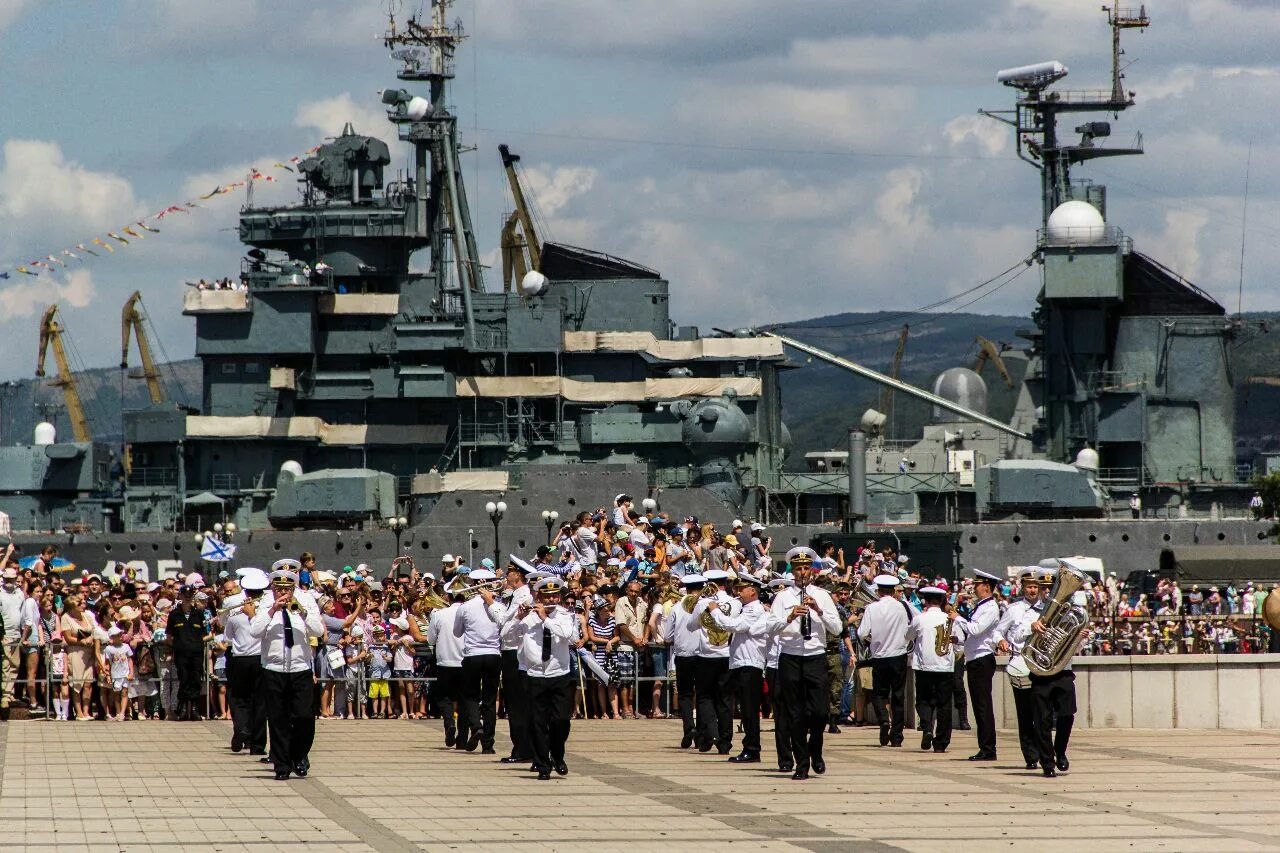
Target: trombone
469,592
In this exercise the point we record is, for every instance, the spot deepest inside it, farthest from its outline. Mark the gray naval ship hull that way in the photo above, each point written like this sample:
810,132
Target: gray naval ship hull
457,523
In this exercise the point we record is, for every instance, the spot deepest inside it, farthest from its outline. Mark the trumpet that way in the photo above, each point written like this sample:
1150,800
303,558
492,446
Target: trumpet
469,592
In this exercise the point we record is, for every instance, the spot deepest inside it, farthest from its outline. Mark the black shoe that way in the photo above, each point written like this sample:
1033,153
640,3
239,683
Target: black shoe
1049,772
301,769
926,742
819,766
1032,765
786,767
257,752
938,750
895,744
724,750
686,742
512,759
282,775
544,775
561,768
706,747
964,726
800,774
1063,764
746,758
236,744
983,756
488,750
884,735
833,729
472,742
264,760
450,738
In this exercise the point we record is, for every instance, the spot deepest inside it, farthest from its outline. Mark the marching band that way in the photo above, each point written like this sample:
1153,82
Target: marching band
734,637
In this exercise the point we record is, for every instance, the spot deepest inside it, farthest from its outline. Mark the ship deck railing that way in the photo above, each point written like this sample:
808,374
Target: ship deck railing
153,476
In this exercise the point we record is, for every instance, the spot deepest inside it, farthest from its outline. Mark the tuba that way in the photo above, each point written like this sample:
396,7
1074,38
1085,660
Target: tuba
1048,653
716,635
1271,609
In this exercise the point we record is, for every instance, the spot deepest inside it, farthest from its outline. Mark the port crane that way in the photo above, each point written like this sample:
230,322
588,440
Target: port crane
51,333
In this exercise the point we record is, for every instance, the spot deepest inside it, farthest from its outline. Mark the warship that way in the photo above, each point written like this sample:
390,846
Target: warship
359,409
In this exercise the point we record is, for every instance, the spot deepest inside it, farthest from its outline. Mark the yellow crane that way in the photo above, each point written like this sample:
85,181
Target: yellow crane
886,395
988,351
521,251
131,321
51,333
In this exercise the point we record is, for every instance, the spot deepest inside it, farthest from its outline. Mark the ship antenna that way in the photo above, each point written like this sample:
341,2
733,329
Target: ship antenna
1244,224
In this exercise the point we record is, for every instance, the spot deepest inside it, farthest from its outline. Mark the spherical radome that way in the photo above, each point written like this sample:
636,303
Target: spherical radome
417,108
46,433
1077,221
291,467
533,283
1087,459
962,386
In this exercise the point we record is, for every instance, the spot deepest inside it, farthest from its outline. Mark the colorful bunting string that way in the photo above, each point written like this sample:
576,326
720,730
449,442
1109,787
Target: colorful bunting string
135,230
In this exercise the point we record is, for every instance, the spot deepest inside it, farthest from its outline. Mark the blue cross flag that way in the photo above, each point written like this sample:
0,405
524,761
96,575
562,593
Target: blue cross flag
217,551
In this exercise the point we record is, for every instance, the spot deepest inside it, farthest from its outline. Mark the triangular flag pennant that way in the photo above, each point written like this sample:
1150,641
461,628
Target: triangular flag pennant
114,236
283,166
70,254
26,271
82,247
98,241
4,275
146,227
131,232
56,260
215,191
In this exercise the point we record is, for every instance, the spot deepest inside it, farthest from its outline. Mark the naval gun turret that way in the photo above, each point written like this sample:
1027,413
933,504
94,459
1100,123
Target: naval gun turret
347,169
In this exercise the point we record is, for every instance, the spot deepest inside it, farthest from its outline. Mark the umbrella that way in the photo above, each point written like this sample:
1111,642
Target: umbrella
59,563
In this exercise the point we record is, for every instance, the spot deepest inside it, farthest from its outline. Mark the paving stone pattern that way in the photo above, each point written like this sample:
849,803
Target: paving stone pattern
390,786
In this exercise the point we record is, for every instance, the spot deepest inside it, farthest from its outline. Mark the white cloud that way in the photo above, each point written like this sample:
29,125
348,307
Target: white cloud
968,131
40,190
551,189
10,11
328,116
30,295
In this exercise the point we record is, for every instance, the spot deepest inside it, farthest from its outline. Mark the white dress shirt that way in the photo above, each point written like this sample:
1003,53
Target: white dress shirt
684,642
925,630
1015,626
791,639
884,626
979,629
504,615
270,629
750,628
240,634
772,649
532,629
723,601
440,634
479,633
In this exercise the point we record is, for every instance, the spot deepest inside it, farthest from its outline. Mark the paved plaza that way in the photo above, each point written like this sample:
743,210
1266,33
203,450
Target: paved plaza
391,786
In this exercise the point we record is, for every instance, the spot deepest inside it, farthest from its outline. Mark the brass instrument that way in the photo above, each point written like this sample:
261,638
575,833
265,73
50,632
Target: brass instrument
431,601
716,635
1049,653
1271,609
690,600
942,639
469,592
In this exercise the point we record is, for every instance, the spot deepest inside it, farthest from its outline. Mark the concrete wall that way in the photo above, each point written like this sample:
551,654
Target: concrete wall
1168,692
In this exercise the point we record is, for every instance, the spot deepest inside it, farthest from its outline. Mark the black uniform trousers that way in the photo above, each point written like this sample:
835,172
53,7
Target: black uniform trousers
933,699
248,701
1055,699
190,666
803,690
781,724
888,692
715,703
686,680
748,683
1024,702
287,696
550,708
515,698
981,672
480,695
446,691
960,700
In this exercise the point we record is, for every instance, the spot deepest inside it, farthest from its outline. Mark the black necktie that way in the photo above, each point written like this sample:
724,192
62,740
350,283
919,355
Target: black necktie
288,628
546,644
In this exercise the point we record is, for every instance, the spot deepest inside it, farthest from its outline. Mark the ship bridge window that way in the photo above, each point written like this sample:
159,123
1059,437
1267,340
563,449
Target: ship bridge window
228,367
253,367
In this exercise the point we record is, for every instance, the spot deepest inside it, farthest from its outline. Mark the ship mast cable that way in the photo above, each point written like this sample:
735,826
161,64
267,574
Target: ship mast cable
904,387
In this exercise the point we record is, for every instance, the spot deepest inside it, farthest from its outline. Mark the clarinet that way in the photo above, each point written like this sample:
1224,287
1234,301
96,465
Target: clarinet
806,623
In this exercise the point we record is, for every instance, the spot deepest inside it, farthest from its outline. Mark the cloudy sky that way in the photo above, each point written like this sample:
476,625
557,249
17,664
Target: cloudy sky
776,161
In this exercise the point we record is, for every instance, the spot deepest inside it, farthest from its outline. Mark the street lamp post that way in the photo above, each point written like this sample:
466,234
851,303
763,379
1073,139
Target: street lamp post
496,511
549,518
398,526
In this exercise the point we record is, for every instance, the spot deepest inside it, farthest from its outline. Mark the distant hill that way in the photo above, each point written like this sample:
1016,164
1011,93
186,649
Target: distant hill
820,402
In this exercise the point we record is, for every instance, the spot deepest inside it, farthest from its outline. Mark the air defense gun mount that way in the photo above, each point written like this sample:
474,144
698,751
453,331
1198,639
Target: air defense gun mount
348,169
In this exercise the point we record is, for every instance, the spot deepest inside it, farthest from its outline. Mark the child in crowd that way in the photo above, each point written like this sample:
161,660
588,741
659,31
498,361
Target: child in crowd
402,659
118,659
58,676
218,677
352,701
380,656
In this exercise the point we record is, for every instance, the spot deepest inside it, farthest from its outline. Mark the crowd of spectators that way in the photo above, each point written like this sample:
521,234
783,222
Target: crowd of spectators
118,647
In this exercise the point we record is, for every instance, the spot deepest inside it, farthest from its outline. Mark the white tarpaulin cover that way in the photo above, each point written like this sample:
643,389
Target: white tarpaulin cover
604,392
261,426
672,350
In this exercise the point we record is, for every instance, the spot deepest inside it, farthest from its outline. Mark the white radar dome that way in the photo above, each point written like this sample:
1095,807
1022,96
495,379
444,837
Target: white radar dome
1077,222
46,433
291,467
533,283
1087,459
417,108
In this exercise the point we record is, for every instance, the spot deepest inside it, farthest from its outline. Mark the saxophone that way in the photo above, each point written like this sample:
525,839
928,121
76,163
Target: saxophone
1048,653
942,639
